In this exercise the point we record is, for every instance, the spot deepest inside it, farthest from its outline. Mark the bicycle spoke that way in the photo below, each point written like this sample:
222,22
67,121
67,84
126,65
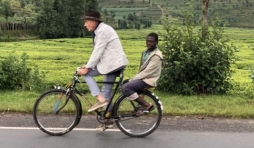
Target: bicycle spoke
137,126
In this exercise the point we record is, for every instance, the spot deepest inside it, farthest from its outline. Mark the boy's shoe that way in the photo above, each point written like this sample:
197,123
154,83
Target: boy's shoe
97,105
144,110
107,124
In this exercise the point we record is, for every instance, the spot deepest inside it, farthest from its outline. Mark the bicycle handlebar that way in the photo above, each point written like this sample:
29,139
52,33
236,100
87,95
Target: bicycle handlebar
76,75
76,72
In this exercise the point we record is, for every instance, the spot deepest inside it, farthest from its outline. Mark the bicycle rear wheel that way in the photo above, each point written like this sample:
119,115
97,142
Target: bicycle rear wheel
55,113
137,126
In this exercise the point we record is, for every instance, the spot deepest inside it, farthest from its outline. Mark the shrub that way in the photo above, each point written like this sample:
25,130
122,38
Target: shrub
246,89
196,59
15,74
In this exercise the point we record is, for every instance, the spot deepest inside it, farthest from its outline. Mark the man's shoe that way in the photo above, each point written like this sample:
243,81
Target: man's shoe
107,124
98,105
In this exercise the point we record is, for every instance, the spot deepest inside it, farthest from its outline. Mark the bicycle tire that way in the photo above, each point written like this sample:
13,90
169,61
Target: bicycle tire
62,122
137,126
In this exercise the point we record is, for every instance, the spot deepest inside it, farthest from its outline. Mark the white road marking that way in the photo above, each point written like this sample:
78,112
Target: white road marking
75,129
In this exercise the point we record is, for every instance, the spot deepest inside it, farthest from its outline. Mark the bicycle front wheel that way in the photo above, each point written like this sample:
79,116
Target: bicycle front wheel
133,125
55,113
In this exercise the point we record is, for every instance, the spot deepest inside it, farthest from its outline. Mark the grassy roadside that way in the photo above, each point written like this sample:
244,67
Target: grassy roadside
176,105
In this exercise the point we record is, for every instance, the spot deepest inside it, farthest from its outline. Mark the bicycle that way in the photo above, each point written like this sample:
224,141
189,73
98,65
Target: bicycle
58,110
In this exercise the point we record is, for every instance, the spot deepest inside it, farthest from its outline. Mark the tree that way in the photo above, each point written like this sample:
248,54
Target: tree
112,15
6,9
46,20
205,4
105,12
61,12
62,18
76,11
7,12
122,24
91,5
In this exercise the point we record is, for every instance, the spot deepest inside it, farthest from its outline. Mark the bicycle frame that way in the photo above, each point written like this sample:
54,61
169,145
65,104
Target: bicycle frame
71,87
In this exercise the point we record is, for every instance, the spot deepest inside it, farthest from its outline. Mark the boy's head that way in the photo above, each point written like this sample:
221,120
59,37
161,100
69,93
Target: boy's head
152,41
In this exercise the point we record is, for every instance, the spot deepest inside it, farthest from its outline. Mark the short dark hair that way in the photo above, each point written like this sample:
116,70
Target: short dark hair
155,35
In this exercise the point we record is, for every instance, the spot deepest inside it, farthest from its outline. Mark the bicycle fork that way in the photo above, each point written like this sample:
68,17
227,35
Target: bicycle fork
59,99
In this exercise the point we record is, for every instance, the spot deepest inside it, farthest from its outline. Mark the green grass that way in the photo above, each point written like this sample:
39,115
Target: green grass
17,101
59,58
212,105
176,105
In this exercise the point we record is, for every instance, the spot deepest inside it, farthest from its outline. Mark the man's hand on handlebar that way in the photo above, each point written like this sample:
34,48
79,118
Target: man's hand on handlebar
82,70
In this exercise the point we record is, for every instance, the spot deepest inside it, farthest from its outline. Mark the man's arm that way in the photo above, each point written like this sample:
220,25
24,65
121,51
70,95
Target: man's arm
99,48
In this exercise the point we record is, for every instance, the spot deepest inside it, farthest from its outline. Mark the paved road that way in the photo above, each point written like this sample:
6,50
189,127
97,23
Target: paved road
193,123
174,132
113,139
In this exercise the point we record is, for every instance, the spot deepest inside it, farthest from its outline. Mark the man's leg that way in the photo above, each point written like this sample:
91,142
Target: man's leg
107,88
94,88
106,92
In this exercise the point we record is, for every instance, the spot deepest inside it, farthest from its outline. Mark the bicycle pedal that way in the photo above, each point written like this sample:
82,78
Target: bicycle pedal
102,128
